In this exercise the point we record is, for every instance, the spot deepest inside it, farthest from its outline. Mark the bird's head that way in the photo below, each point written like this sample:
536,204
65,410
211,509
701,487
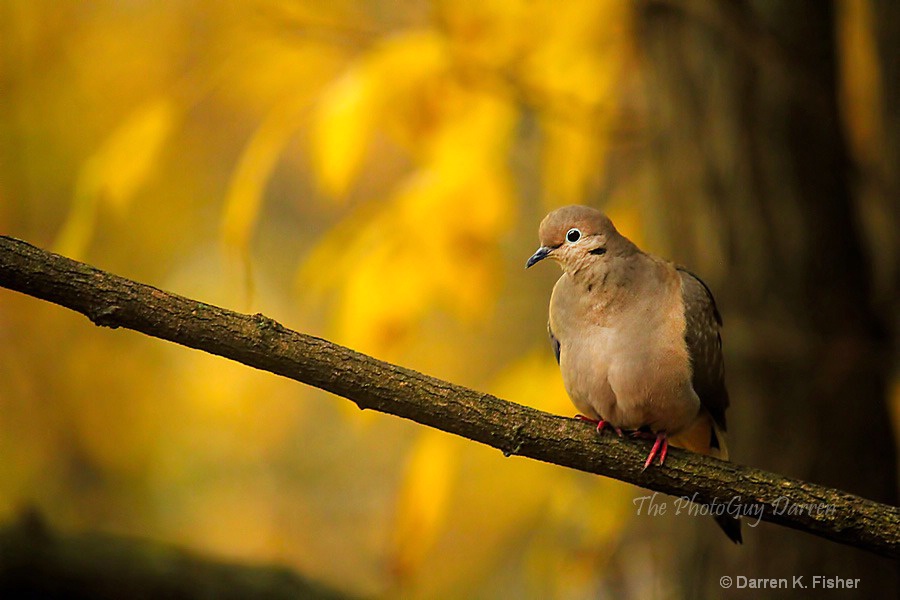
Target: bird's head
577,235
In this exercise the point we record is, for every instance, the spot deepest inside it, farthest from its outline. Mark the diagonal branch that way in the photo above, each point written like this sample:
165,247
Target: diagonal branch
257,341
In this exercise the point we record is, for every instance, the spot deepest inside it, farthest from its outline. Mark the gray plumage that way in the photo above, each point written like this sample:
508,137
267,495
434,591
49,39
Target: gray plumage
702,333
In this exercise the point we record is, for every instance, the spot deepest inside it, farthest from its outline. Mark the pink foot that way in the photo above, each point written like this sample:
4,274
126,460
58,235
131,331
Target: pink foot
601,424
660,448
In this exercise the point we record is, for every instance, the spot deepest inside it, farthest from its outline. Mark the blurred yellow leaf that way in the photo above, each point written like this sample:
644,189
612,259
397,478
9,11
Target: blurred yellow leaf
342,129
386,84
422,500
127,158
115,172
432,246
434,243
248,183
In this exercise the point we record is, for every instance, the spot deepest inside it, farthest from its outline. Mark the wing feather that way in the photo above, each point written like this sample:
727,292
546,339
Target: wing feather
704,341
554,342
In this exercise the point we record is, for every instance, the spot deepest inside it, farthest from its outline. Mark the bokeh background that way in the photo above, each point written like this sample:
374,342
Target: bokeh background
374,173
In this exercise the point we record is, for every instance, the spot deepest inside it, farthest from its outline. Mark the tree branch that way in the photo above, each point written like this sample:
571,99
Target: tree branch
257,341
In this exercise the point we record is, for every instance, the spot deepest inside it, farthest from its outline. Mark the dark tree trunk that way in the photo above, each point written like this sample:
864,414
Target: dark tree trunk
752,171
886,17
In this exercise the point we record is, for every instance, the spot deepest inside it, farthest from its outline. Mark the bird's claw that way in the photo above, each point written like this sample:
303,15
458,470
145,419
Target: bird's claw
601,424
660,448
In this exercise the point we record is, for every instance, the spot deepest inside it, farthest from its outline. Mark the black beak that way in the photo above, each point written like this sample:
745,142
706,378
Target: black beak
538,256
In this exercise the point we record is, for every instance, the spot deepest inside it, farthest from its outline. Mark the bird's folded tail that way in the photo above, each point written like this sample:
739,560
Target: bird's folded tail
706,437
731,526
718,443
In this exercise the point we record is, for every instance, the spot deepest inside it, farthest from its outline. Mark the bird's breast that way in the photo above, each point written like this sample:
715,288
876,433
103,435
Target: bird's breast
630,368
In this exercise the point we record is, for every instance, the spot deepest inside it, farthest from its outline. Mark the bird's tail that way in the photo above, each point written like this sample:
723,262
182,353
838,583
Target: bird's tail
706,437
719,447
731,526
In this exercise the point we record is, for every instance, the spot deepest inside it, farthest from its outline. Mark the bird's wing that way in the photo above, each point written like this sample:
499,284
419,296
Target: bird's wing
553,342
704,342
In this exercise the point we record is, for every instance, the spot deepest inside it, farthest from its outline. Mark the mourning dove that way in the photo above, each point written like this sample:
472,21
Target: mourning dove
637,339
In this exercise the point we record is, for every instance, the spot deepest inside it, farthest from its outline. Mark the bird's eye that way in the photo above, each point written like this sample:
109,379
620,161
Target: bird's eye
573,235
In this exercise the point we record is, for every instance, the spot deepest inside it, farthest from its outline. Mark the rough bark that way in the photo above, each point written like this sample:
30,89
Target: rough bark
257,341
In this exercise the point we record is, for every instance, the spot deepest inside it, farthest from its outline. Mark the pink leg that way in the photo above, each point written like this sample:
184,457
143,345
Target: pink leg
601,424
660,446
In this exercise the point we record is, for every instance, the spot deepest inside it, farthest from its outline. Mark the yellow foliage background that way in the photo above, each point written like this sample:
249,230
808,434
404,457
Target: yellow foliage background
370,172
